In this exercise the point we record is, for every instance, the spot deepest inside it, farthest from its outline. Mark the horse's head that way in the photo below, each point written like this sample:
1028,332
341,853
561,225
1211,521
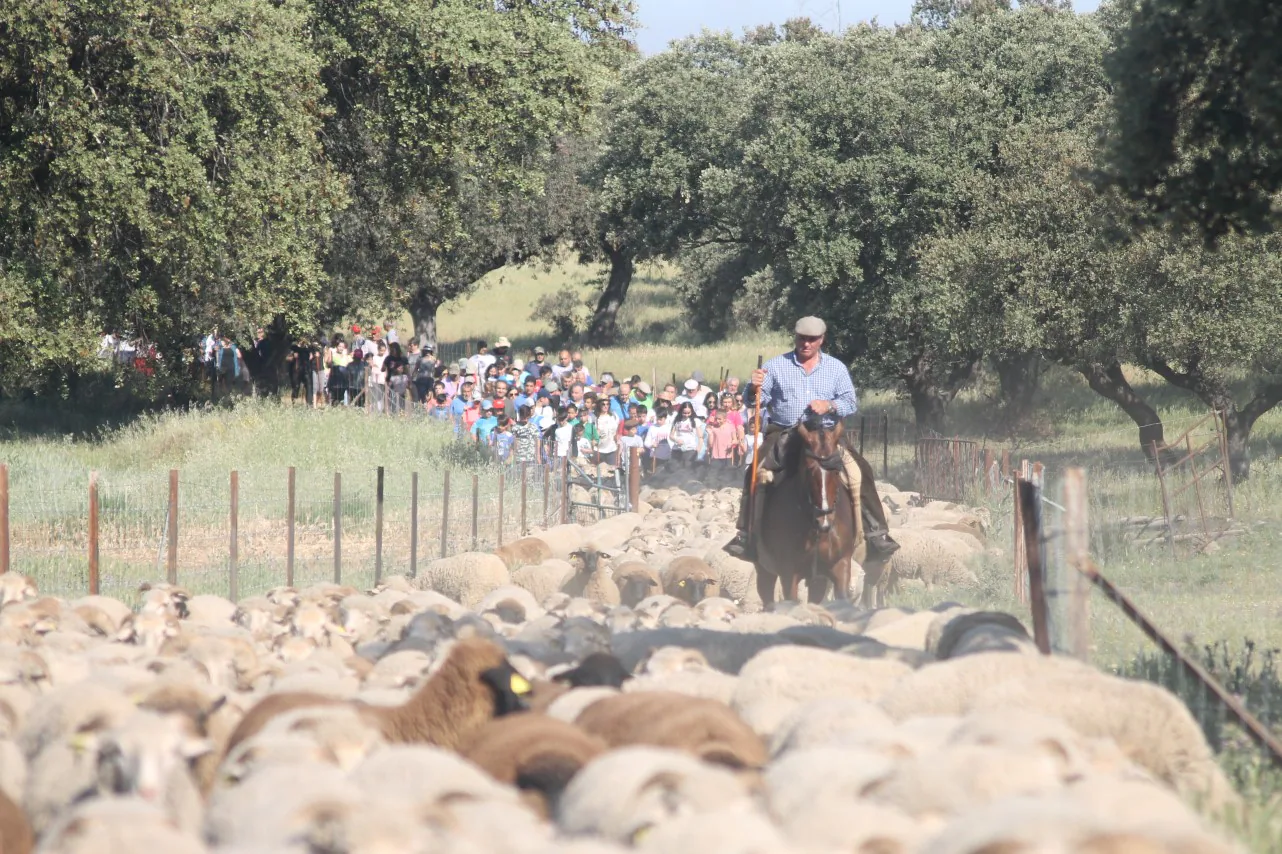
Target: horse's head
821,470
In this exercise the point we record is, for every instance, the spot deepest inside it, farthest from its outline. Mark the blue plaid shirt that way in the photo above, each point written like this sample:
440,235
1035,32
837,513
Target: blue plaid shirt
788,389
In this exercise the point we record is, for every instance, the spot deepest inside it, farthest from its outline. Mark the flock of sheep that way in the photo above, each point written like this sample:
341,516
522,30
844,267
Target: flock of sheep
587,689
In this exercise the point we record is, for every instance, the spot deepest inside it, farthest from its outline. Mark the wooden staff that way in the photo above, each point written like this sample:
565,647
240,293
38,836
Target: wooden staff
756,443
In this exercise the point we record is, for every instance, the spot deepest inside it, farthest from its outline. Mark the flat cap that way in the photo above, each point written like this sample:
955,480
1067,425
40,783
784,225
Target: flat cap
810,326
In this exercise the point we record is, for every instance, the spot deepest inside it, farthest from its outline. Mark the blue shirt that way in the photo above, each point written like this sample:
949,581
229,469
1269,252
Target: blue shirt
788,389
483,427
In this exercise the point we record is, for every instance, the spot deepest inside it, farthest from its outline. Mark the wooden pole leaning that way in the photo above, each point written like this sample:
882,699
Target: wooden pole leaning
756,456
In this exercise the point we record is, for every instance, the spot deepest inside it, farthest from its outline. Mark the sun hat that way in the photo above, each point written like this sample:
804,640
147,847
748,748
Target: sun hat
643,387
518,364
607,377
810,326
502,342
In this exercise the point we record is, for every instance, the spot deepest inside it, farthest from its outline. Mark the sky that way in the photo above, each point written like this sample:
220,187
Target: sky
664,20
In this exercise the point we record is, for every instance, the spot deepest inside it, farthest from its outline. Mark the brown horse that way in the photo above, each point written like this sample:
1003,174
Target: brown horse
809,527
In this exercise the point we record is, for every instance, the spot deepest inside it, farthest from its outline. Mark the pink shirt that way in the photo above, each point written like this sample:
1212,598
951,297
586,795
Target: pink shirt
721,440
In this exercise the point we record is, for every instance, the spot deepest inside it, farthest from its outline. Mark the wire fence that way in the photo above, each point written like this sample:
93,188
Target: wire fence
254,530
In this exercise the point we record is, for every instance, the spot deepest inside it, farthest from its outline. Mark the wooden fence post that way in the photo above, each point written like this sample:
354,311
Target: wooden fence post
1030,497
94,585
476,496
378,521
1017,545
233,554
4,518
885,446
338,528
171,561
565,490
1075,636
501,489
634,478
547,486
413,524
525,477
289,527
445,515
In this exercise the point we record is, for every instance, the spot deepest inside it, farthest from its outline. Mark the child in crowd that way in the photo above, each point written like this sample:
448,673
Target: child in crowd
502,439
721,440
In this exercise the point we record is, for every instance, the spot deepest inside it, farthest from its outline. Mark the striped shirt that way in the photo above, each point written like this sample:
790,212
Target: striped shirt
788,389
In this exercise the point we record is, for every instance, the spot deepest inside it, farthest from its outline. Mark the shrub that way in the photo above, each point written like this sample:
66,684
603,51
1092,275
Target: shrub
565,310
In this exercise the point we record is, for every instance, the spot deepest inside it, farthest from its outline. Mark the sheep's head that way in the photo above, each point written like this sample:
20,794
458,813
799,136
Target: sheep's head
148,629
16,588
139,756
164,599
586,560
635,584
510,689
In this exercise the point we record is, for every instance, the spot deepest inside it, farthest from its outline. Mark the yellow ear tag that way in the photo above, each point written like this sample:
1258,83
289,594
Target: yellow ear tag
519,684
681,583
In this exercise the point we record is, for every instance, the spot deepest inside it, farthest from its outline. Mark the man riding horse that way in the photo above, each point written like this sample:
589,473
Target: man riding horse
807,384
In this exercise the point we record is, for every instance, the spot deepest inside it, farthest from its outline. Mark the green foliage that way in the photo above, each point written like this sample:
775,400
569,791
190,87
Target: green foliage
1197,112
566,312
160,167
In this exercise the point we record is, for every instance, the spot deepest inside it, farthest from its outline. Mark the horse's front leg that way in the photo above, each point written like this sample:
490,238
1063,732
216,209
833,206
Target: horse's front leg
792,584
766,587
841,579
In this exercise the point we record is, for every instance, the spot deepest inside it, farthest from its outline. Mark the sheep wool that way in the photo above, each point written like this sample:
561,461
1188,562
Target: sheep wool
543,580
801,673
536,753
458,698
931,557
15,831
705,728
466,578
624,793
523,552
636,581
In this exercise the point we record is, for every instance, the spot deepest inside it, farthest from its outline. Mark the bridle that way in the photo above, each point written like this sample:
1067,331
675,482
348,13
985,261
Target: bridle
827,466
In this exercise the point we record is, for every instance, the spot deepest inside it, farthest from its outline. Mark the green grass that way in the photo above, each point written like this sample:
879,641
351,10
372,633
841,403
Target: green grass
49,488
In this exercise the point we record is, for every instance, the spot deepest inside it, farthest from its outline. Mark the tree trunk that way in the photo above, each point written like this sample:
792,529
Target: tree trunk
1108,381
604,329
930,406
1237,430
1019,376
423,310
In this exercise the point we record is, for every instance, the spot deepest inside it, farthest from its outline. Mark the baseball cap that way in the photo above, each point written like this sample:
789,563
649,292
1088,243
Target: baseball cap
539,351
430,348
643,387
692,385
607,377
518,364
551,385
462,364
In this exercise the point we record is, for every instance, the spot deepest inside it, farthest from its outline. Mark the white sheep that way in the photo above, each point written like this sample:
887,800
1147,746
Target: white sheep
736,829
568,706
207,610
466,578
426,776
802,673
562,539
117,824
15,587
624,793
818,722
543,580
933,557
275,804
149,755
512,603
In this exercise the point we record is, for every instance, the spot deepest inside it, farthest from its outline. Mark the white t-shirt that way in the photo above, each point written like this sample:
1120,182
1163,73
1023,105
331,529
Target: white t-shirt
696,402
545,416
376,374
608,427
685,434
656,438
563,434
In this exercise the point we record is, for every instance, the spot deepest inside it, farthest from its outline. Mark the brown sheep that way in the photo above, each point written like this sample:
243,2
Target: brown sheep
636,581
474,684
523,552
691,580
706,728
591,580
537,754
15,831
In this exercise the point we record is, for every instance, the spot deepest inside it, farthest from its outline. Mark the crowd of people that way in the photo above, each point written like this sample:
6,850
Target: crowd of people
527,410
